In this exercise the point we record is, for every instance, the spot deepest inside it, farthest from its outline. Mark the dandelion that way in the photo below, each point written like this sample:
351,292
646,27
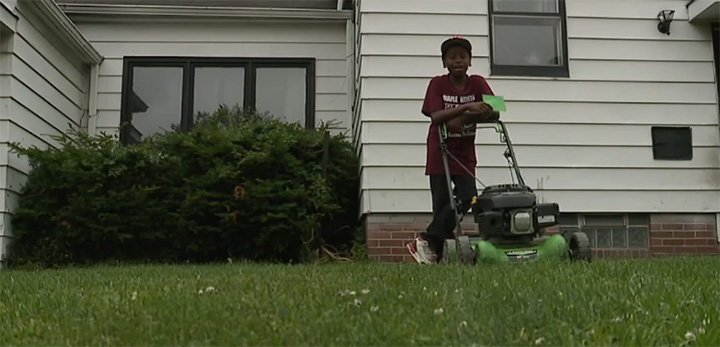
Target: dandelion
439,311
207,290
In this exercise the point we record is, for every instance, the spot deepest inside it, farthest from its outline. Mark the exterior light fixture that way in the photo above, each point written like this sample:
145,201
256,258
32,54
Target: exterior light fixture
665,17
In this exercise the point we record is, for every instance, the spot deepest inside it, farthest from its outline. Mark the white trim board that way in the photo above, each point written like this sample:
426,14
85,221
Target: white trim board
94,10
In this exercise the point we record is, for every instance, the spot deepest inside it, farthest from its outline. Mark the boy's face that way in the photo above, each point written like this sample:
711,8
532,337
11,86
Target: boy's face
457,61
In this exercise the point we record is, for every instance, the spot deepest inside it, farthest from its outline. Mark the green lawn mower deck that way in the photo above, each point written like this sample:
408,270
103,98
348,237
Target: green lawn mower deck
511,224
551,248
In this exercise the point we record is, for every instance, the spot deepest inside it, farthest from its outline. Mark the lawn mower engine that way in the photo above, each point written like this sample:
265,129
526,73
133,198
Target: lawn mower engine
511,212
511,223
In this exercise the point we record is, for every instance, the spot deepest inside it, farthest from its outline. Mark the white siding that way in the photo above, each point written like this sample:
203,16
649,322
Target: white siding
582,141
42,93
325,42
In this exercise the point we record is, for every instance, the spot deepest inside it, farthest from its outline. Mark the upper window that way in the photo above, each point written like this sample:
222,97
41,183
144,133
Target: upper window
528,38
167,94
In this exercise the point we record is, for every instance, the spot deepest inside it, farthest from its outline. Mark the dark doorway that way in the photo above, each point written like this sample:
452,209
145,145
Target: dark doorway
716,48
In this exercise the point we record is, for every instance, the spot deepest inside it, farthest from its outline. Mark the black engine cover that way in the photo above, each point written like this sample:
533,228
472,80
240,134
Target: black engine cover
492,209
506,196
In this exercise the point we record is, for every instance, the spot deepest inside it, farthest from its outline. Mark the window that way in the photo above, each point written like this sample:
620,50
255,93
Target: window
167,94
609,231
528,38
672,143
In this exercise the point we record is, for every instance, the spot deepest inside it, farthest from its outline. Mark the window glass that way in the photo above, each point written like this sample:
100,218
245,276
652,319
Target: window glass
605,220
281,91
525,6
528,41
215,86
155,101
638,237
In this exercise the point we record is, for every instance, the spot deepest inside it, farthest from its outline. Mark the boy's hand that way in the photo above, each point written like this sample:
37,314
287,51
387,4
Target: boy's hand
479,107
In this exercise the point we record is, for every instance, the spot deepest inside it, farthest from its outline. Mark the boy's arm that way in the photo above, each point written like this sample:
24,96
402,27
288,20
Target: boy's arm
479,117
434,106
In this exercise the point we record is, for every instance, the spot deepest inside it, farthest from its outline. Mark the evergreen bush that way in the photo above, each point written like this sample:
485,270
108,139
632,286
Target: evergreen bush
238,185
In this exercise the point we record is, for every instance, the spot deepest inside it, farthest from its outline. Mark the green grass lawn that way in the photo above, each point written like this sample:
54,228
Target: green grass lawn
630,302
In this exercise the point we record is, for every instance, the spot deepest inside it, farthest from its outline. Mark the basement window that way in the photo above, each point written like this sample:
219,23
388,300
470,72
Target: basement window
610,231
672,143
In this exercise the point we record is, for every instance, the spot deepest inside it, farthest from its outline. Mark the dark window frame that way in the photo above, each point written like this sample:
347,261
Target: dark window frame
562,71
188,64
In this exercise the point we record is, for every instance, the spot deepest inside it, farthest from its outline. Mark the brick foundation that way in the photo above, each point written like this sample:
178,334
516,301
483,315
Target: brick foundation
683,234
669,235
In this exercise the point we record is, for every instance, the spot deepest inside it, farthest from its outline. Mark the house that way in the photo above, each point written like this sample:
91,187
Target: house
612,116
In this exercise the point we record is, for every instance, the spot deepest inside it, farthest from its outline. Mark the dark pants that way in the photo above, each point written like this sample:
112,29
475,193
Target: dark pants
442,226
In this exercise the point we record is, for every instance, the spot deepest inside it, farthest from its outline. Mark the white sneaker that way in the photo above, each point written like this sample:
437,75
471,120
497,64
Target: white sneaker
420,250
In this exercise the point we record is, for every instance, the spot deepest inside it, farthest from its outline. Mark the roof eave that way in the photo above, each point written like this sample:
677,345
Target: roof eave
56,19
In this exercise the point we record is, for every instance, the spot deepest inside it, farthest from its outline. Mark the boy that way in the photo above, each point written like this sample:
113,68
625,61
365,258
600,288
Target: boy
453,101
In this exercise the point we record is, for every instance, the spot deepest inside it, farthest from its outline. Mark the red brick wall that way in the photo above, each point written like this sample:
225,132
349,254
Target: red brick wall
387,235
683,234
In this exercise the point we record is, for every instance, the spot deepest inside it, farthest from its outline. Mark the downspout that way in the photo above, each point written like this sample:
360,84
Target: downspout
92,99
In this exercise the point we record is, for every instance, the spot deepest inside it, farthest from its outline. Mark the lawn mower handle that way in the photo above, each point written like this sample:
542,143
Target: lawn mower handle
511,151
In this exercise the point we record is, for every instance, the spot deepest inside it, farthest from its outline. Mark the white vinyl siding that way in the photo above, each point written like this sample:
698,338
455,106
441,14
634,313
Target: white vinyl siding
582,141
43,93
324,41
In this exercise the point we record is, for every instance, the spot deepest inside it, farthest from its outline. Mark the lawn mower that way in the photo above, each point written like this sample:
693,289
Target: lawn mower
511,221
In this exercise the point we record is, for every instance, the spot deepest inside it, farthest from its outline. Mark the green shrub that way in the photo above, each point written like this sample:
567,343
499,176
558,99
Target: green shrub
237,186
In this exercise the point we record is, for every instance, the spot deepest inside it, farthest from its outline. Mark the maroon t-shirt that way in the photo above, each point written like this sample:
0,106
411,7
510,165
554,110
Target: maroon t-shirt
441,95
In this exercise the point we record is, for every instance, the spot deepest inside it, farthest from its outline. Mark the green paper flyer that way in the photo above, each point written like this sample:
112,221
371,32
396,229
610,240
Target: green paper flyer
496,102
